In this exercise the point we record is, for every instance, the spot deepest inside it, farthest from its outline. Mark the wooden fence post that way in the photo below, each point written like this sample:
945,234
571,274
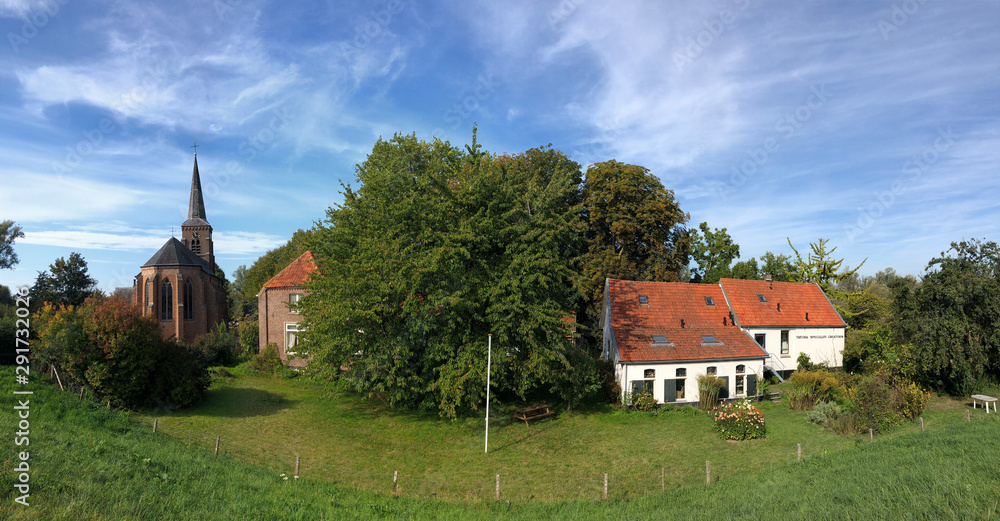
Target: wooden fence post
296,467
708,474
871,435
498,487
921,423
799,451
155,421
395,480
81,392
217,439
605,485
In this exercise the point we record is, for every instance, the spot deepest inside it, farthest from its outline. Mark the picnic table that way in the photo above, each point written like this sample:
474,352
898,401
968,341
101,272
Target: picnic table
533,412
986,400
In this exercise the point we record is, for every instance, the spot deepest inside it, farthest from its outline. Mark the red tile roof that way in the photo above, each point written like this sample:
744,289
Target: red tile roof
797,299
667,304
295,274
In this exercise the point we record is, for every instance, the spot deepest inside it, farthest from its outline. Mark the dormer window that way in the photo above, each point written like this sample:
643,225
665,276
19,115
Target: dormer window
643,299
762,298
709,301
660,340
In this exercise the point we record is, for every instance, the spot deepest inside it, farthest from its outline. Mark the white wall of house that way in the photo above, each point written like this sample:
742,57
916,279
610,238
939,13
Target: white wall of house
628,373
822,344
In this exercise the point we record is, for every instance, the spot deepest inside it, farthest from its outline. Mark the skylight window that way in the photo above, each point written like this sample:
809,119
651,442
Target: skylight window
709,339
643,299
762,298
709,301
660,339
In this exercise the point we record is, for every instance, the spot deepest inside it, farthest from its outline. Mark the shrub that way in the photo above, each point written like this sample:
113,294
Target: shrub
913,401
108,345
267,360
878,403
708,390
824,413
740,420
812,387
218,346
645,402
249,335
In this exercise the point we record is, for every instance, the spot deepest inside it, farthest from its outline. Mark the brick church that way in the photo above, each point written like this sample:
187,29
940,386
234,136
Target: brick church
177,285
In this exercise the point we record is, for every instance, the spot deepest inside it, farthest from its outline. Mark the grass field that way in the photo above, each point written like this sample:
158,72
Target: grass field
92,463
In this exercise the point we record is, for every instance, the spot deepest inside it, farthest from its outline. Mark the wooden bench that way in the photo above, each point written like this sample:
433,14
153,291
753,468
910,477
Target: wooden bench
534,412
986,400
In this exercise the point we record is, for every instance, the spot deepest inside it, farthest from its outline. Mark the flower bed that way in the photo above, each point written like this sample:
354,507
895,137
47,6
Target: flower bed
739,421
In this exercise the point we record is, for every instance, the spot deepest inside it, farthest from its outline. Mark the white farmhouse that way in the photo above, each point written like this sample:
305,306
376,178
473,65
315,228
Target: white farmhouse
786,319
662,335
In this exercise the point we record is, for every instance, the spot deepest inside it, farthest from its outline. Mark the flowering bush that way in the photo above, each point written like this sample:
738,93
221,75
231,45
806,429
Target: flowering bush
739,421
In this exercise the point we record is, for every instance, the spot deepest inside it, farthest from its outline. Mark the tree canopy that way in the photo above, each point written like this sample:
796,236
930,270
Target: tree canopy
635,228
66,282
9,232
437,248
714,251
952,317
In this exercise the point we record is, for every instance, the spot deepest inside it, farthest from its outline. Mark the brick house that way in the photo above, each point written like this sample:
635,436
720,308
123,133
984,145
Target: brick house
277,321
177,285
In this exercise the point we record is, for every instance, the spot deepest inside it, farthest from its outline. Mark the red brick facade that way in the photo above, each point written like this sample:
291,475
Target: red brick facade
277,322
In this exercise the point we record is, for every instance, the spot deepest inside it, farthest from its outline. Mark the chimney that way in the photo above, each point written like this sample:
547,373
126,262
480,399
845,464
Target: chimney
770,283
779,306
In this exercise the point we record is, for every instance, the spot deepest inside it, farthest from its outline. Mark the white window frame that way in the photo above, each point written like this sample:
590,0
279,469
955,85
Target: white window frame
294,299
293,328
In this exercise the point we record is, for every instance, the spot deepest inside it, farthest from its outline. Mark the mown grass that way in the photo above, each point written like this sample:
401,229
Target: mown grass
92,463
360,443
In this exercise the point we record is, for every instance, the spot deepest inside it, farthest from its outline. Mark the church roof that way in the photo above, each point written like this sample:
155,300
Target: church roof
174,253
196,206
295,274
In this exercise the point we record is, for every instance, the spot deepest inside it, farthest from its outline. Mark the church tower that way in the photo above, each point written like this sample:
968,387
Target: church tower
196,233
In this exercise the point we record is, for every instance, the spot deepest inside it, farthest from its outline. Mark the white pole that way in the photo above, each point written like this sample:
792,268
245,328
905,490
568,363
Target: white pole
489,359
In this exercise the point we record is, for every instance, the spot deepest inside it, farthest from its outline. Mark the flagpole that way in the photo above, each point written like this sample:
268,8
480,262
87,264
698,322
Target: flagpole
489,359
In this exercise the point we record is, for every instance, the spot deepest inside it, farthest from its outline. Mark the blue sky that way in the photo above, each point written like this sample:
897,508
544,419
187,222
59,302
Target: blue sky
873,124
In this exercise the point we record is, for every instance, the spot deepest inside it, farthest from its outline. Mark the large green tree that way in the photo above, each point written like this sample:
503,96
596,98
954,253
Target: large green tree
9,232
66,282
635,228
437,248
952,317
713,251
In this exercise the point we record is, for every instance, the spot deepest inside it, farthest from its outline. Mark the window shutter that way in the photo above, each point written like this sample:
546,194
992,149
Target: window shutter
751,385
724,392
669,391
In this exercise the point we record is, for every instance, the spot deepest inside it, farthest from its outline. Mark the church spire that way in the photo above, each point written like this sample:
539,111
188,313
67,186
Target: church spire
196,208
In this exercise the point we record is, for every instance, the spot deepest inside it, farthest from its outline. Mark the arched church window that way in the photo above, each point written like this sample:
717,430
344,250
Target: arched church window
166,301
188,300
149,288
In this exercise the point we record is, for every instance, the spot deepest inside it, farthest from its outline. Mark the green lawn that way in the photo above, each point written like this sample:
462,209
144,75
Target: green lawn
89,462
360,443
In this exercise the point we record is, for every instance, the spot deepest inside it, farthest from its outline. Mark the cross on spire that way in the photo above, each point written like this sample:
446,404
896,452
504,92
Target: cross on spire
195,147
